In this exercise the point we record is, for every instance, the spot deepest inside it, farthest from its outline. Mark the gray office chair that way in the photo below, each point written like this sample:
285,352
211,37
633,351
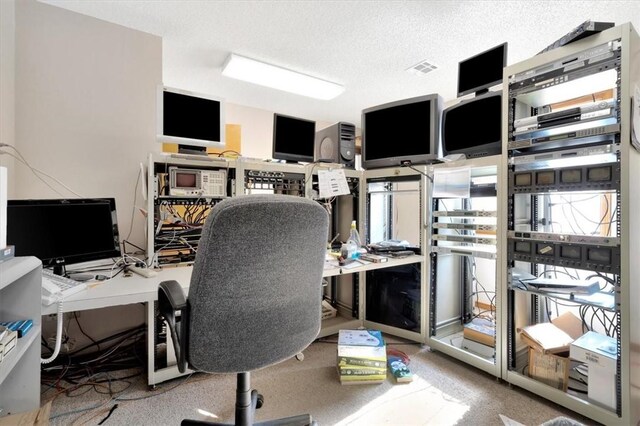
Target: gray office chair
255,293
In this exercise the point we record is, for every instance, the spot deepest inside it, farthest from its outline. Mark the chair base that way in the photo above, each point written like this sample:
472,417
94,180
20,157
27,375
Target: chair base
300,420
247,402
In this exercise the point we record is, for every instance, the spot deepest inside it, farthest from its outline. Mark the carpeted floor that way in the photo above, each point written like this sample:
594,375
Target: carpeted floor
444,392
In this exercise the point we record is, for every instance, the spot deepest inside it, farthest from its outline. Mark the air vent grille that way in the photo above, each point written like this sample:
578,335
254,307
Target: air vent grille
422,68
347,131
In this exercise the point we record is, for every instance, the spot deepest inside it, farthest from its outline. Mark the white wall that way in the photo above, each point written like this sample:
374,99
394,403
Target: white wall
85,111
257,129
85,101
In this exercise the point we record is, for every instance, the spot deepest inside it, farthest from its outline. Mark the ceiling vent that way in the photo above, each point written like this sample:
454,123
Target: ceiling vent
422,68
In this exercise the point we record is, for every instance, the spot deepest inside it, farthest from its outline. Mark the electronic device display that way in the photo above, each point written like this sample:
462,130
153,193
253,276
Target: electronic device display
599,174
401,132
546,178
595,257
293,138
522,247
582,178
570,176
482,70
195,182
473,127
192,120
64,231
570,252
522,179
599,255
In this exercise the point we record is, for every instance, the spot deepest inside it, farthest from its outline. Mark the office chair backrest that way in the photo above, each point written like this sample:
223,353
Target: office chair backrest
255,293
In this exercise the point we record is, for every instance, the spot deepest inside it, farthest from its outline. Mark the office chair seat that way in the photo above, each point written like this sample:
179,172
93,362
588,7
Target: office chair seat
255,293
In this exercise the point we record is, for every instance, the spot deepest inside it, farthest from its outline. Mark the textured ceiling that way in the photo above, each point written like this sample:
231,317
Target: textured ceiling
364,45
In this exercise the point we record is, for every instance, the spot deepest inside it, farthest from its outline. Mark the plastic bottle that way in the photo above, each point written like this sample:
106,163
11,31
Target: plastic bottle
352,248
354,236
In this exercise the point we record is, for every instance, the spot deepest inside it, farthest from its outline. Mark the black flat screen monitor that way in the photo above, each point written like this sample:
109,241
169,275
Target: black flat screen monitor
192,120
293,138
473,127
401,132
61,232
482,71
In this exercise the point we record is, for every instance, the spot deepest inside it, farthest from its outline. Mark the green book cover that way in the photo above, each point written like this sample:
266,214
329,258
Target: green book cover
360,362
362,371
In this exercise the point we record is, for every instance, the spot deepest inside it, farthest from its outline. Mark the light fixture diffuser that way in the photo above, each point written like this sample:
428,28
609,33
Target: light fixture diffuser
263,74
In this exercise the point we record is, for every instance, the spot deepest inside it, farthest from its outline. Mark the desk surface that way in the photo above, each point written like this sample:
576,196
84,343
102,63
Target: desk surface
125,290
121,290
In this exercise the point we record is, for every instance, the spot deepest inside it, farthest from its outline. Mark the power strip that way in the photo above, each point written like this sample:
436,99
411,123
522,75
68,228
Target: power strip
143,272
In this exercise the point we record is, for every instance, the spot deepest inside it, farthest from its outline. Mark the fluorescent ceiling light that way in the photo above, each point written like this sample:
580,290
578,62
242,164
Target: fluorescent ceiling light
257,72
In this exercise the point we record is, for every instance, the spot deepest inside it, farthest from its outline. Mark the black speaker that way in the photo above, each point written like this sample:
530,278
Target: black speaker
336,144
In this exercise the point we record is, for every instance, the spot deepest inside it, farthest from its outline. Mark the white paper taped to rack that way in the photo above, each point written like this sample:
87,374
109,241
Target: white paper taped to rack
451,183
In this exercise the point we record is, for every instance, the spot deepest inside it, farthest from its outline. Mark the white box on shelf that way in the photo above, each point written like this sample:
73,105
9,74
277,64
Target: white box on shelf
328,311
600,353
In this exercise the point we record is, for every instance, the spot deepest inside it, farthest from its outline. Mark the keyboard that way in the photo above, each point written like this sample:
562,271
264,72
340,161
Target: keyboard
56,287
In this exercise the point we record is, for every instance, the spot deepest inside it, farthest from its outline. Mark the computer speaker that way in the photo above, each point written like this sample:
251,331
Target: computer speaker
336,144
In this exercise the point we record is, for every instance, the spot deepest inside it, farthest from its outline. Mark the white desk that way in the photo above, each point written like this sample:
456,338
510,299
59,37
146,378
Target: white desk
133,289
125,290
121,290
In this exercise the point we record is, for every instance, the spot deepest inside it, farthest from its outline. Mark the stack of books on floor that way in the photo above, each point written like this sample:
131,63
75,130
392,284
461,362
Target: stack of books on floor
362,357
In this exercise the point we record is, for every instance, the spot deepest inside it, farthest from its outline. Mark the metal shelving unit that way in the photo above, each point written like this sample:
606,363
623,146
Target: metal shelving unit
174,242
263,177
572,214
20,284
175,218
342,289
464,284
394,299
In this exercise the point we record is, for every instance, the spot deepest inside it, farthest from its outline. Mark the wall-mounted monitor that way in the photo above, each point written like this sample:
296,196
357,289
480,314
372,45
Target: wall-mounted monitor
64,231
401,132
478,73
473,127
194,121
293,139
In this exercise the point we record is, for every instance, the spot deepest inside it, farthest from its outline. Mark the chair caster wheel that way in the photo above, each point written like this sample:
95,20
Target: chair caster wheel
259,401
300,356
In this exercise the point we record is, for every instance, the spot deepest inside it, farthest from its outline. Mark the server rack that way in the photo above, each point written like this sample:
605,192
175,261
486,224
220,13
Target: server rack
465,286
571,216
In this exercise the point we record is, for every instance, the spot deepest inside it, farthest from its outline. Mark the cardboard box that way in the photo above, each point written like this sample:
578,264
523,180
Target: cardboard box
481,330
328,311
600,353
546,337
37,417
550,369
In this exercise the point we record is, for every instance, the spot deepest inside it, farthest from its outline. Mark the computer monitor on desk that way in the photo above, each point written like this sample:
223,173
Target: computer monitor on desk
62,232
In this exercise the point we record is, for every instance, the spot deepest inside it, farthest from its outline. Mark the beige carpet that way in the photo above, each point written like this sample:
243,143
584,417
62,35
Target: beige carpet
444,392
